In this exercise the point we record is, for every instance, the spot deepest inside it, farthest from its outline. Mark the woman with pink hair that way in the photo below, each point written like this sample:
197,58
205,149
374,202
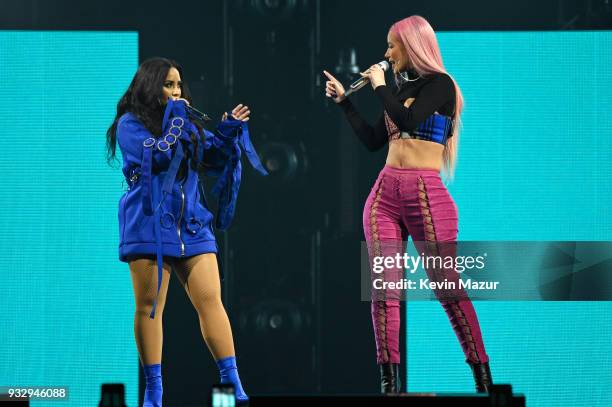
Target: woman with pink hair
421,124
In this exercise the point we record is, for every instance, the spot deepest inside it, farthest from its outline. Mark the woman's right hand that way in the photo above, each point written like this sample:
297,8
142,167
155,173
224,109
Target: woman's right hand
333,88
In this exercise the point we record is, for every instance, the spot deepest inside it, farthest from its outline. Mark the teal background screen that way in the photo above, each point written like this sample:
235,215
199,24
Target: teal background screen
66,302
534,165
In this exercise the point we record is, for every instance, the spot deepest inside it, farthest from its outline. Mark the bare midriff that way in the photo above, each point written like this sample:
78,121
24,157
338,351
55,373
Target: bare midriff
411,153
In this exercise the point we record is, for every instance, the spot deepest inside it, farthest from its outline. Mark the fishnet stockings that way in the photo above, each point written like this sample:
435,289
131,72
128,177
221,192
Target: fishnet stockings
199,275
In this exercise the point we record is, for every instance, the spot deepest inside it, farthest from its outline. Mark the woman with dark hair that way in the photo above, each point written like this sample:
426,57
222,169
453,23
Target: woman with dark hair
164,221
420,123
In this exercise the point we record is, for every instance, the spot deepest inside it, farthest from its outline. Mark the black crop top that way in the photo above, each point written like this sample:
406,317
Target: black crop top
432,93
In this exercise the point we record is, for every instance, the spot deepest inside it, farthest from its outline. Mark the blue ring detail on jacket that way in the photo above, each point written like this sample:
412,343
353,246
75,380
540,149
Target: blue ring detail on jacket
161,215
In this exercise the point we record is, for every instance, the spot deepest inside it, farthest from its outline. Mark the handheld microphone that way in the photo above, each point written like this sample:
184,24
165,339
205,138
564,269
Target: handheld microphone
193,112
361,82
197,114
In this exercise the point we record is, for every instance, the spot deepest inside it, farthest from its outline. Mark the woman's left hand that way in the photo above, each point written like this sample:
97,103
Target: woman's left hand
376,75
240,112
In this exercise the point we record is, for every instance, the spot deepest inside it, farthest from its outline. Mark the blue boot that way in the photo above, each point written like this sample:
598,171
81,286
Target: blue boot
229,374
153,392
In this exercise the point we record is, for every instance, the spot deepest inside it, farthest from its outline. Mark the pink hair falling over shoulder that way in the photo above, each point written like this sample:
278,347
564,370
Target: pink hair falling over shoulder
421,45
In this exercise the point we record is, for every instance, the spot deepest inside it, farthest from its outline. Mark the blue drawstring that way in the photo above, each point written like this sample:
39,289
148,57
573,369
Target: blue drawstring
167,185
228,184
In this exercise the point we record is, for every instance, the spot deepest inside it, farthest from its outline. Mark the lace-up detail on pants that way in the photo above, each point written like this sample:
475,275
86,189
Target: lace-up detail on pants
380,310
415,202
456,315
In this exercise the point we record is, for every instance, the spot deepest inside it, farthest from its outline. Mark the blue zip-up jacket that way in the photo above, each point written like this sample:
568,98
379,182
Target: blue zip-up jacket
162,215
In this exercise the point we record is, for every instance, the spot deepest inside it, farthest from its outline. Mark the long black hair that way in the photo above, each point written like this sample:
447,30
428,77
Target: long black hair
143,98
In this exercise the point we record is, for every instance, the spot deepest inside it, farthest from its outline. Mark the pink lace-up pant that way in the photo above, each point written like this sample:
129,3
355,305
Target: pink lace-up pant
415,202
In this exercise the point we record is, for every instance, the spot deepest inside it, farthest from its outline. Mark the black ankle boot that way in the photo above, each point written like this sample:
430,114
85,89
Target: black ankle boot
482,376
389,378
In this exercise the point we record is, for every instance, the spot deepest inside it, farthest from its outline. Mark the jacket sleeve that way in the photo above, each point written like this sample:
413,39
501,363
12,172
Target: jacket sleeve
212,160
145,154
132,136
220,148
221,155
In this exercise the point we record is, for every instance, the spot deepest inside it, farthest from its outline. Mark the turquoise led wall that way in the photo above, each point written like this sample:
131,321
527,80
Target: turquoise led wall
66,302
534,165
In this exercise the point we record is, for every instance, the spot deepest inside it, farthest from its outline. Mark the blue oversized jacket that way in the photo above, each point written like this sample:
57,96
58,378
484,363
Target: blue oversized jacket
162,215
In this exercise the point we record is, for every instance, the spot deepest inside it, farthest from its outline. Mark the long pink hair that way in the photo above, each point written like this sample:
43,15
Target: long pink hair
421,46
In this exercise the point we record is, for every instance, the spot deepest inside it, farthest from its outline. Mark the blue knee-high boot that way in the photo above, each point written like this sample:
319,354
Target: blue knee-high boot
229,374
153,392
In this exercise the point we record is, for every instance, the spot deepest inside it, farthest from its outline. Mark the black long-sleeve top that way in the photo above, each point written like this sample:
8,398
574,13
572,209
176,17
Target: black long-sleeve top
432,93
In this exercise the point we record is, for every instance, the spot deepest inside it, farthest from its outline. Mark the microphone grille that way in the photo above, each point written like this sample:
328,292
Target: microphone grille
384,65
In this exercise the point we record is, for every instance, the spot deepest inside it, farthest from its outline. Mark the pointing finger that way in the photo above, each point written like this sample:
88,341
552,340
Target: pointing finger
330,76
